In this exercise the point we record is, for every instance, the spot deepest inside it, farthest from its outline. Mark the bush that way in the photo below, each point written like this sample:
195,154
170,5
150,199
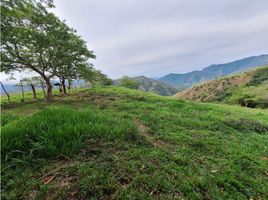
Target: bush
260,76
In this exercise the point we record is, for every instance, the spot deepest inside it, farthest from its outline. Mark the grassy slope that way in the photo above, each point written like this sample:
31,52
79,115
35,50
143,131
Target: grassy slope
235,89
253,94
115,143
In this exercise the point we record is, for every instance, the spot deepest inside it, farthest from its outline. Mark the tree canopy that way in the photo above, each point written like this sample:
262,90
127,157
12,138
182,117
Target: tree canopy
34,39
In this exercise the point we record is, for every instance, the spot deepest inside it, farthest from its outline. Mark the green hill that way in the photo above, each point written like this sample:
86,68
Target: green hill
248,89
149,85
117,143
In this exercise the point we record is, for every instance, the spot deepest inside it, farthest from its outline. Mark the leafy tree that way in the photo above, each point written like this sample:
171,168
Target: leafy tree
95,77
34,39
105,80
129,83
76,71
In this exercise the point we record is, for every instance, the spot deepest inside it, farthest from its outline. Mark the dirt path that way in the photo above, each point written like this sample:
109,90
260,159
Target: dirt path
144,131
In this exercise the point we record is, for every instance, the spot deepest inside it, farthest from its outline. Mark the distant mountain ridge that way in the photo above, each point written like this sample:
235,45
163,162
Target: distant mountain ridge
150,85
214,71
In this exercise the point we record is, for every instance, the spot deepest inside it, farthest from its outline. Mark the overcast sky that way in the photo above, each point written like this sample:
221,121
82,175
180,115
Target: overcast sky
157,37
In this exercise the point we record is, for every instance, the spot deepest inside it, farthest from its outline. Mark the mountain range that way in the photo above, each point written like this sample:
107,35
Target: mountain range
213,71
173,83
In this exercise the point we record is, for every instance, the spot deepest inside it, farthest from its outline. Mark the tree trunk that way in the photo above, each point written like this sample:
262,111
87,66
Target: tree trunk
49,89
5,92
43,88
63,86
34,92
22,91
49,92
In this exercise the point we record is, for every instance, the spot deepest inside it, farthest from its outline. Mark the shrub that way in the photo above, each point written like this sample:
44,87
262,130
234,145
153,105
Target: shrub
260,76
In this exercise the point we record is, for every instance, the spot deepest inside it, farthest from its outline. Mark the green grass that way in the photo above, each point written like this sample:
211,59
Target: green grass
249,96
254,94
116,143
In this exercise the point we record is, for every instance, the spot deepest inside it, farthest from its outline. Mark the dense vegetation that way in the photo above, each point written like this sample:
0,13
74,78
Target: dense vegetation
116,143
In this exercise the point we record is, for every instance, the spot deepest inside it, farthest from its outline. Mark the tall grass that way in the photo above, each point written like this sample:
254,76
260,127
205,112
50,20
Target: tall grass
60,131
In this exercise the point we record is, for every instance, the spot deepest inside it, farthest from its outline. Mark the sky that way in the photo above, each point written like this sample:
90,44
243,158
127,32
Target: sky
157,37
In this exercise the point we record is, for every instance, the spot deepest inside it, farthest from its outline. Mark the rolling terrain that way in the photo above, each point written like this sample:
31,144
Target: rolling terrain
214,71
248,89
150,85
117,143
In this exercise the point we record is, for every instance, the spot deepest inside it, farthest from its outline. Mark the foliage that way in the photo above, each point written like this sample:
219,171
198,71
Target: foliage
95,77
259,77
34,39
129,83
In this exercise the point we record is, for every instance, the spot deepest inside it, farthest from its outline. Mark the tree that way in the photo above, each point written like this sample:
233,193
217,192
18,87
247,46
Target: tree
95,77
70,72
34,39
38,81
34,82
8,97
129,83
102,79
29,82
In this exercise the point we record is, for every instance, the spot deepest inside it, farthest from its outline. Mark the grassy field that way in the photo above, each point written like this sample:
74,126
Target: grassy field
116,143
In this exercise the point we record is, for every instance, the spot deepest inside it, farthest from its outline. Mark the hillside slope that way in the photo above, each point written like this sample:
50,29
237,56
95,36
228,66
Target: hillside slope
150,85
214,71
247,89
116,143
